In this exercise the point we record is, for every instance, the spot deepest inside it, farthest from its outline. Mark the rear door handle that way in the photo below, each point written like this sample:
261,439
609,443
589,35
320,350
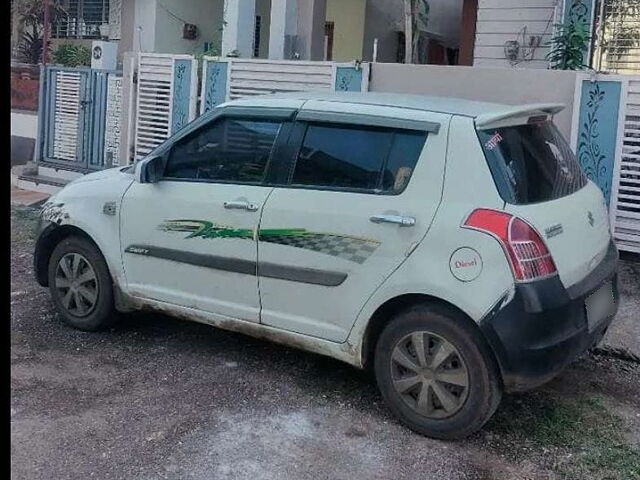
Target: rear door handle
396,219
241,205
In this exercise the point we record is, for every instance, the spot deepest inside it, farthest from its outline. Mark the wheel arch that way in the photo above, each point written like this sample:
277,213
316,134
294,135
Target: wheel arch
393,306
47,242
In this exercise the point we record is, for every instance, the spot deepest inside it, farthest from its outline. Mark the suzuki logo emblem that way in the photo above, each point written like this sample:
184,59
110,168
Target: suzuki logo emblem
590,217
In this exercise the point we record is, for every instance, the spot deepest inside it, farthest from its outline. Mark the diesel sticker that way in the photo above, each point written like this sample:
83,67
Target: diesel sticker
465,264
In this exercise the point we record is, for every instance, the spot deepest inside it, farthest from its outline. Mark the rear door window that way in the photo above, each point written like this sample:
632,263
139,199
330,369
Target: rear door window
346,157
531,163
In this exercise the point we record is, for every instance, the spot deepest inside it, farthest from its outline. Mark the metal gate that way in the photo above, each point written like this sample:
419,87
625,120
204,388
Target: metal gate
80,117
606,139
166,98
625,203
225,79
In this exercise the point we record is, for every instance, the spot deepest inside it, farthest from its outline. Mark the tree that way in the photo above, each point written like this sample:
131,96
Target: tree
416,18
31,18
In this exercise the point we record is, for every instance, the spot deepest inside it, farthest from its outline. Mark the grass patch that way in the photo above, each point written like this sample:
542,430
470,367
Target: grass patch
575,437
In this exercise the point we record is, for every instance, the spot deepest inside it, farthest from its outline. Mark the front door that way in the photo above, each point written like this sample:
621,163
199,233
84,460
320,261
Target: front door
359,199
189,239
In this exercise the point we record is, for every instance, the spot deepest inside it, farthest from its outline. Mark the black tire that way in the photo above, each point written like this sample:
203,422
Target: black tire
102,313
470,361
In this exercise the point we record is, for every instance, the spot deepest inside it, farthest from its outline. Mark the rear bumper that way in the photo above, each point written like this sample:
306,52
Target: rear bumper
544,326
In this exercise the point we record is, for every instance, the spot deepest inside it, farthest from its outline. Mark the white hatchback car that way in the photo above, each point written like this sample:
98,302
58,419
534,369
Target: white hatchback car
454,247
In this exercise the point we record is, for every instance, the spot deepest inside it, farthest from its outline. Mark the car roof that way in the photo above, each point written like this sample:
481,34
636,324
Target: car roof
448,105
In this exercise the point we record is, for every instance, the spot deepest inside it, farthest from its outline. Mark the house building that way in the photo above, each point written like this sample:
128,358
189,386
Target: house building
384,21
253,28
517,33
339,30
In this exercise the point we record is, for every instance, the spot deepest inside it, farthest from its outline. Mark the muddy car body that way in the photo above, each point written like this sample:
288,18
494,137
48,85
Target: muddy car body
455,247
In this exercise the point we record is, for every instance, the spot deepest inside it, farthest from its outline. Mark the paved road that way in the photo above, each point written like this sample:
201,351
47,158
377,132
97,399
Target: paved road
159,398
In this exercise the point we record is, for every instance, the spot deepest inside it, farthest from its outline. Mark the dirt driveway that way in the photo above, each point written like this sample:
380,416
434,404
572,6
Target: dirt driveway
159,398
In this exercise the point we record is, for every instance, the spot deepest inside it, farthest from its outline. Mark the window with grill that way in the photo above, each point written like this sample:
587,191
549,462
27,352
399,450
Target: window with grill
617,36
80,19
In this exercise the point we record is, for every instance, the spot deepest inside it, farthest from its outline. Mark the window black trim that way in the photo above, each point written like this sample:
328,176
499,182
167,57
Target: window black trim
296,141
359,119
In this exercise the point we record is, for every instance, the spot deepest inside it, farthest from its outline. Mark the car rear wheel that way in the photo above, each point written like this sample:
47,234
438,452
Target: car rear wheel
435,373
80,284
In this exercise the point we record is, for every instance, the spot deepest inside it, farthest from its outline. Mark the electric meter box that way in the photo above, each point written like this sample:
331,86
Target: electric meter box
104,55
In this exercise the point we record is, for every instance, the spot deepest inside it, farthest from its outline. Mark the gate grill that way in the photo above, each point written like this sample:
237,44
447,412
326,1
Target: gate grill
627,205
66,115
165,98
153,119
260,77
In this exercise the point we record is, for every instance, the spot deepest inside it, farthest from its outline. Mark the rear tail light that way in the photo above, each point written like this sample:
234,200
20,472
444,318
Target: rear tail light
527,253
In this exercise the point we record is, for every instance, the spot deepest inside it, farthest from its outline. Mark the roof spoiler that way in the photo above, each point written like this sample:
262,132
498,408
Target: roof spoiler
486,119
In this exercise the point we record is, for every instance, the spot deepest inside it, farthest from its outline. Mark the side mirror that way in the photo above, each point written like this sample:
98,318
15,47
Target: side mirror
150,170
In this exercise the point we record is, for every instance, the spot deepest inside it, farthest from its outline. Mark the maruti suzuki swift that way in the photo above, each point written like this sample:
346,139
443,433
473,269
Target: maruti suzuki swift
453,247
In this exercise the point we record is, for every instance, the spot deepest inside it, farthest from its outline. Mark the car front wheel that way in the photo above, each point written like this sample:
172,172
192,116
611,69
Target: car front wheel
80,284
435,373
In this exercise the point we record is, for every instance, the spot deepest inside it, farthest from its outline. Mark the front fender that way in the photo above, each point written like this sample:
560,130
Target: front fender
88,208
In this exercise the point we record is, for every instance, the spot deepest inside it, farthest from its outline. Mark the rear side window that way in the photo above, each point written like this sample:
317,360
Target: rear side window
376,160
531,163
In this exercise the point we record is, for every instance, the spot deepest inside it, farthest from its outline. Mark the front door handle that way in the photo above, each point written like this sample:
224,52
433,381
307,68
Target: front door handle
397,219
241,205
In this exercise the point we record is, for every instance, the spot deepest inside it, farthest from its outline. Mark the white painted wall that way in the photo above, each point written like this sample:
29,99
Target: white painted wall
171,16
239,27
500,85
283,23
503,20
144,28
24,125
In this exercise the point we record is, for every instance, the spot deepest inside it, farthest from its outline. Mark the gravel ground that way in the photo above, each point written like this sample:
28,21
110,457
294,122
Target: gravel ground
159,398
625,333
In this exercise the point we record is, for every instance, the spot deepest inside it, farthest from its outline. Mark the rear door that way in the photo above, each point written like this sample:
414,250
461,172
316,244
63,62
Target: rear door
541,181
362,189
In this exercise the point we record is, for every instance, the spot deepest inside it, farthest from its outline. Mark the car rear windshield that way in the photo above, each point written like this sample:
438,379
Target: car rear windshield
531,163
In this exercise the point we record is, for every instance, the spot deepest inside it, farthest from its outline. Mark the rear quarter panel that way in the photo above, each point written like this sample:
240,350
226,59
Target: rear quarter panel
467,185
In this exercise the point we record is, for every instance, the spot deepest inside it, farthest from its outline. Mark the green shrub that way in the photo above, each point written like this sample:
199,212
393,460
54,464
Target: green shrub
72,55
568,47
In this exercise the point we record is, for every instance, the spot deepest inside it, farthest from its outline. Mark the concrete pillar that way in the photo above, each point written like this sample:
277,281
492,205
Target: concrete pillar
144,31
240,18
283,28
311,17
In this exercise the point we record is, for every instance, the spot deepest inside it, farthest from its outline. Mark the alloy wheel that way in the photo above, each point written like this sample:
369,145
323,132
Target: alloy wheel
77,284
429,374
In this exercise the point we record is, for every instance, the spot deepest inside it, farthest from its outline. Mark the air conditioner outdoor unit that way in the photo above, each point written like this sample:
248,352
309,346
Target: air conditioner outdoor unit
104,55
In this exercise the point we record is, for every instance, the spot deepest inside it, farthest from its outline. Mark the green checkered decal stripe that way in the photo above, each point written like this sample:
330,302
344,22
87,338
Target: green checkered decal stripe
348,248
204,229
353,249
